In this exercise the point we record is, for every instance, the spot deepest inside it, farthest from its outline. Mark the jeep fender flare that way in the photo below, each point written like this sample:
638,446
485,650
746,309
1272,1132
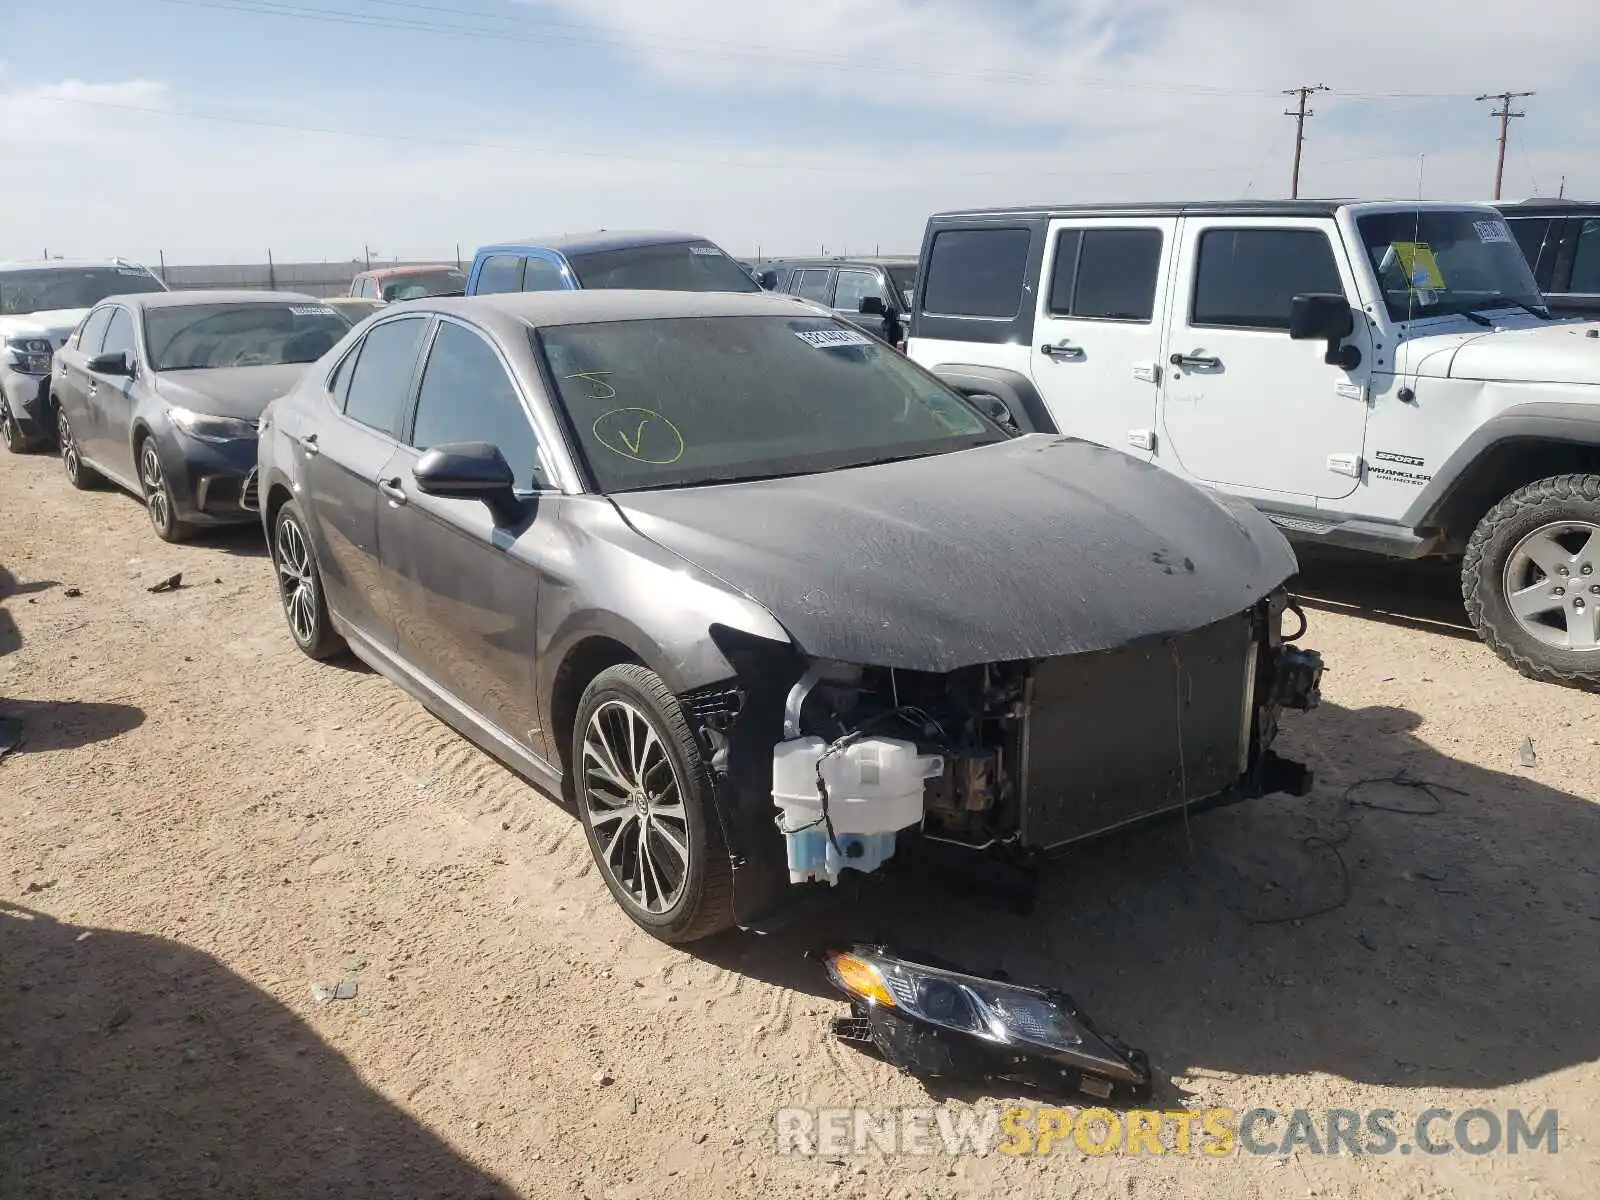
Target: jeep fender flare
1567,432
1015,389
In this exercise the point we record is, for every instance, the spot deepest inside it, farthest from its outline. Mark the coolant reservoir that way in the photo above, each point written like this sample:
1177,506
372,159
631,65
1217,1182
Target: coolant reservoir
874,788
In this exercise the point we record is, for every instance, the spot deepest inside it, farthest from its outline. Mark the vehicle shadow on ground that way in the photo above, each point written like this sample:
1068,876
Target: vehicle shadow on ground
243,541
1458,950
10,635
139,1067
68,724
1413,595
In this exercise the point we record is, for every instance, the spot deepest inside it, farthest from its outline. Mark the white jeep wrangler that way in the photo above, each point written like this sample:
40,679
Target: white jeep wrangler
1376,376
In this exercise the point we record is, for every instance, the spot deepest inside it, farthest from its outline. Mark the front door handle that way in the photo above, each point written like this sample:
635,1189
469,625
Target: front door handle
309,445
1195,360
1064,350
391,489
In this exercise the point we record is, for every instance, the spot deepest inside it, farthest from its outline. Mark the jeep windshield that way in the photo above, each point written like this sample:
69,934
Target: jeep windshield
195,337
681,401
46,289
1433,263
670,267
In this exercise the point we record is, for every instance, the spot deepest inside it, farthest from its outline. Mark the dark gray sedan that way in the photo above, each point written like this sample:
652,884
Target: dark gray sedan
768,600
161,394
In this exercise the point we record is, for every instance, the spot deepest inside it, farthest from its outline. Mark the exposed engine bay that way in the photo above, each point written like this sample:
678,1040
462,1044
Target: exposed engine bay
1036,754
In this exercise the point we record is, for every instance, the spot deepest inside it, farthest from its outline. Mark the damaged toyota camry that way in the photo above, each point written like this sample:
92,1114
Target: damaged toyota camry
768,601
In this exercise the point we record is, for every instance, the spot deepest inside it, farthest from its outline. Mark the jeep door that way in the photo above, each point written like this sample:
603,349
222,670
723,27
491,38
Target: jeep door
1243,405
463,579
1097,340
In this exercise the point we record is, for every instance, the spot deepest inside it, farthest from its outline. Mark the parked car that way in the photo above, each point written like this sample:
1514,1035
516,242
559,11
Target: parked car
161,394
692,556
41,303
1436,408
1561,240
673,262
873,293
389,284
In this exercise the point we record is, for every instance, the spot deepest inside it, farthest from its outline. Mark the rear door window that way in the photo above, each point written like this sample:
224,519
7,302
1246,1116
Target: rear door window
380,384
1248,278
500,273
815,285
1106,274
977,272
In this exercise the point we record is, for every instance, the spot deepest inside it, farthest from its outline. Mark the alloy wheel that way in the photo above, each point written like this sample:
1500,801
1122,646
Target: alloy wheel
70,459
297,582
1552,585
634,802
155,485
9,433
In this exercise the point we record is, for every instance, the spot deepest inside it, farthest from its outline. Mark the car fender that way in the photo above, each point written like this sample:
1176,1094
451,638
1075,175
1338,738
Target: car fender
1015,389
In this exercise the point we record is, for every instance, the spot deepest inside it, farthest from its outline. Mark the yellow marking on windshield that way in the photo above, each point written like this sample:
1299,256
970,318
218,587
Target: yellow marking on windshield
653,439
595,379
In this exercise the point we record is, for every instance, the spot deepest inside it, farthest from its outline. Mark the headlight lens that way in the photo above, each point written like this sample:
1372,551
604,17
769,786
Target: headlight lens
30,355
211,429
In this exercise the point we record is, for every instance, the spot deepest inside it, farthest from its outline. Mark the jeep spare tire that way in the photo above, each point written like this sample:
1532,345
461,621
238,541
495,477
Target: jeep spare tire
1531,580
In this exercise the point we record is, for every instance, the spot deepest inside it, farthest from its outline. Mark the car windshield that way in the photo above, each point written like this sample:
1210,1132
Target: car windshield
420,284
1433,263
673,267
200,336
693,400
44,289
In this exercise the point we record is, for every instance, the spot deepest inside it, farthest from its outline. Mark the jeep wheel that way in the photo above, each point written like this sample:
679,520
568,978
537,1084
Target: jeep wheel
1531,580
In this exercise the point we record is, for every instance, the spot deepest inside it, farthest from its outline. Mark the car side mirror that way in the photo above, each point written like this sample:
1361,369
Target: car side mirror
995,409
873,306
469,471
1325,317
115,363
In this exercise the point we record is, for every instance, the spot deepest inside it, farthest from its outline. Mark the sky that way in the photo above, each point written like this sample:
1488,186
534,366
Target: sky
324,130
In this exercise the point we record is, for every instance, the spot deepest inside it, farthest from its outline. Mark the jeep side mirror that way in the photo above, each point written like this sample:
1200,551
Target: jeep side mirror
995,409
873,306
116,362
1325,317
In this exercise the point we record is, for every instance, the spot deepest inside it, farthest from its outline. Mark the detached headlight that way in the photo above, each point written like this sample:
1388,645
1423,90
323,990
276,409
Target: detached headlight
937,1021
211,429
30,355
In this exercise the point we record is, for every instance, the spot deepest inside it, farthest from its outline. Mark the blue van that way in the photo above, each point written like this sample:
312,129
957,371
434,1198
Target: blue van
668,262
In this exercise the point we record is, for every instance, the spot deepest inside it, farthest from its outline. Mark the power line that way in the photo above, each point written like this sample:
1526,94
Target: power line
1506,117
1300,114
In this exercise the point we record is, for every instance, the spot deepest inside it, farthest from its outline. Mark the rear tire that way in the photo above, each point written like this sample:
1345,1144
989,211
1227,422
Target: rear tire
1531,580
646,801
300,586
82,477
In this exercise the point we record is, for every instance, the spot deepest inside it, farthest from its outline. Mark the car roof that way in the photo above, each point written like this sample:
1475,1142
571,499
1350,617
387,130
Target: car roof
217,296
583,307
873,260
1536,207
413,269
73,264
1243,208
600,239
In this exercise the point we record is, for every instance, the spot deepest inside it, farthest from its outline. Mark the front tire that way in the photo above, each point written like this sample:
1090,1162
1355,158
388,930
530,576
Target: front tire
10,431
1531,580
645,798
300,586
80,476
158,500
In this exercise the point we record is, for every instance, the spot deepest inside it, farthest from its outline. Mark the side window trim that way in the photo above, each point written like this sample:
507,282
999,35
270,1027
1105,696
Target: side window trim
547,467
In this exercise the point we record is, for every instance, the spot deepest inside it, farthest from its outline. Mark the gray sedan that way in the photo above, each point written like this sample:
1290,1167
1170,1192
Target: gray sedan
767,600
161,394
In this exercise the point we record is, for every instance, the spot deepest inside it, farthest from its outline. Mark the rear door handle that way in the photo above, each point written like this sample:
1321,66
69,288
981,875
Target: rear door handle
1063,350
309,445
1195,360
391,489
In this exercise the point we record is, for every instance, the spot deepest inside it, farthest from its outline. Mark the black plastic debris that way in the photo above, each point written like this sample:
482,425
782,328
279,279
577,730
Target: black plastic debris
937,1021
170,584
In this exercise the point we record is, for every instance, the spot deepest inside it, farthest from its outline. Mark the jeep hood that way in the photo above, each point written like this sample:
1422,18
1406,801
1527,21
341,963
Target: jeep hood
1032,548
1546,353
240,392
56,324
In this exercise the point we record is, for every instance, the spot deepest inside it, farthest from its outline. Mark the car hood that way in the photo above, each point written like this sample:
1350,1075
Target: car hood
229,391
1036,547
1526,351
56,324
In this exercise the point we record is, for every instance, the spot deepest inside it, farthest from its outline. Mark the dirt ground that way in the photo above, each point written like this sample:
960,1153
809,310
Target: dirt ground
203,824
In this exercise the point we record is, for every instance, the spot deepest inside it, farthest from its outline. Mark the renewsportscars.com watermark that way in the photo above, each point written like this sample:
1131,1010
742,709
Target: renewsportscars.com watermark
1210,1132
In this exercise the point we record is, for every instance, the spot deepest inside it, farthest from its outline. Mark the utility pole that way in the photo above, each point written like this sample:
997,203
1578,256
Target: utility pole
1505,114
1562,194
1300,114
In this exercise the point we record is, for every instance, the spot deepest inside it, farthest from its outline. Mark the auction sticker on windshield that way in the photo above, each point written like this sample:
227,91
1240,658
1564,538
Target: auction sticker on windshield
311,310
827,339
1492,231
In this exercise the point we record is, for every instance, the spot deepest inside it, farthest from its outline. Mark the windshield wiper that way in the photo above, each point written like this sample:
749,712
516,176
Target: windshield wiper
1499,301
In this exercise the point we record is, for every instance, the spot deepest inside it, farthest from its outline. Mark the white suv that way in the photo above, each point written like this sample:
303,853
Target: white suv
1380,376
